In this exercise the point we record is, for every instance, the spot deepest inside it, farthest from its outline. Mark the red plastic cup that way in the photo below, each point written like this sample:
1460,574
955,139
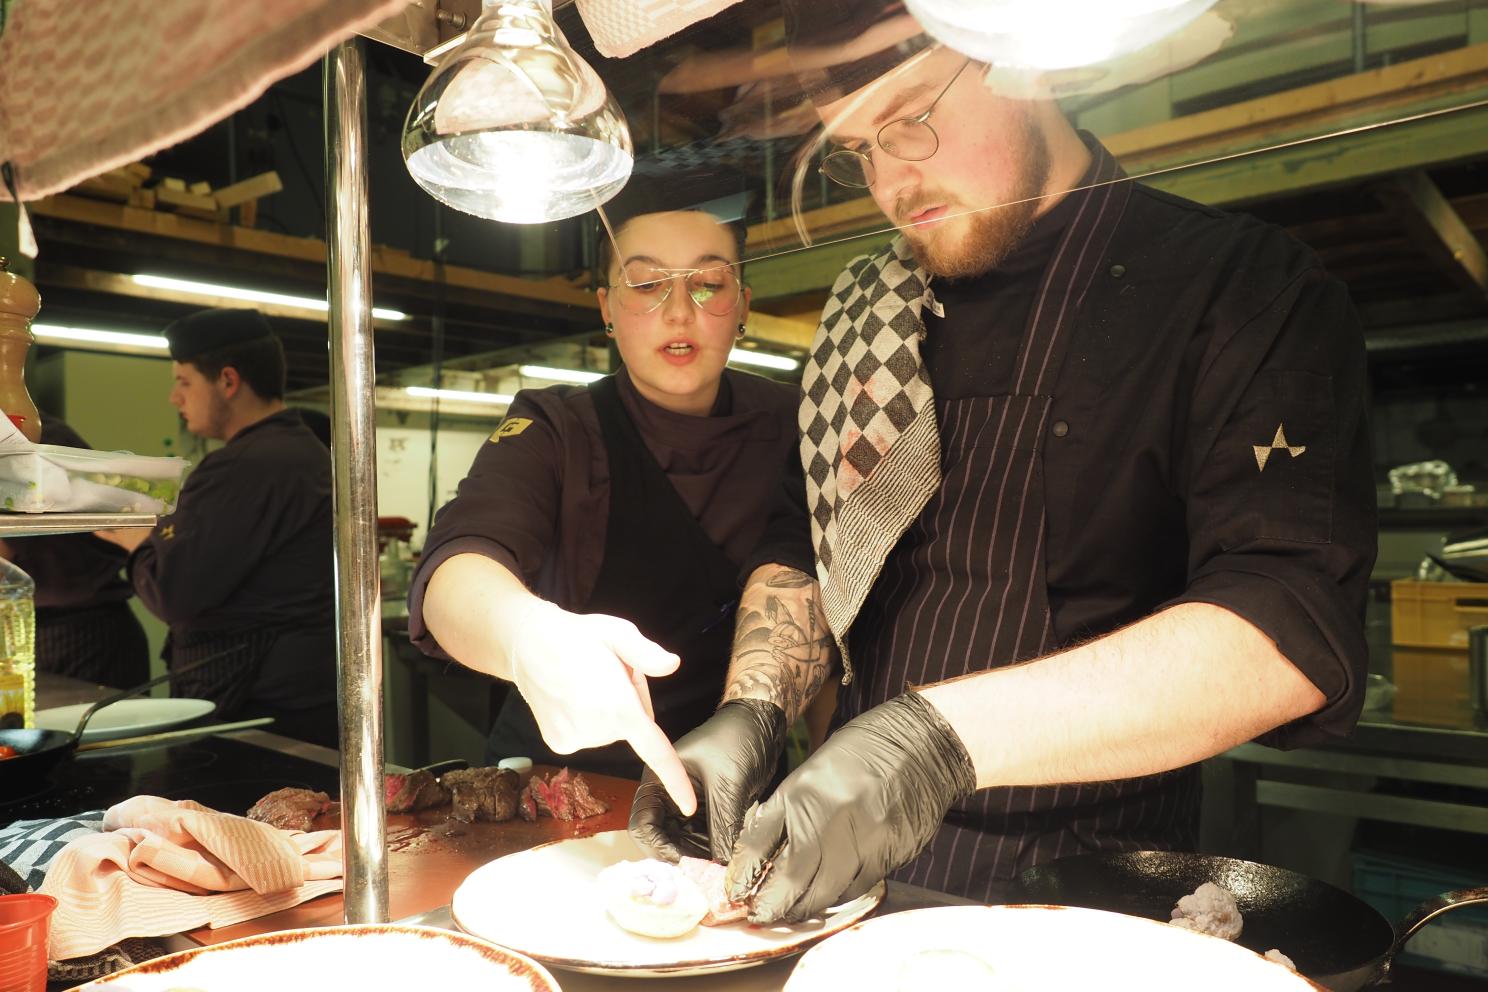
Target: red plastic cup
24,921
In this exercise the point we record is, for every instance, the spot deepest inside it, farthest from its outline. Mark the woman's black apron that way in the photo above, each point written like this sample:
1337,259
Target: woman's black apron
660,572
964,590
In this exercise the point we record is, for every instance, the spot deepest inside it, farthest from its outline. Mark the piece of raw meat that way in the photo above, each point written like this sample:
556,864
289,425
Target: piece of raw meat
1209,909
414,791
564,796
488,794
708,877
292,809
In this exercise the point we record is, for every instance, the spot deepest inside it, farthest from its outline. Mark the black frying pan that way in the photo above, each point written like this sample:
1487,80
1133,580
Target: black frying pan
1336,939
39,753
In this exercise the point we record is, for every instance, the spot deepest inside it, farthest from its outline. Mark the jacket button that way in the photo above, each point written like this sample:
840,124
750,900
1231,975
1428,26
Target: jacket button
1117,271
1060,428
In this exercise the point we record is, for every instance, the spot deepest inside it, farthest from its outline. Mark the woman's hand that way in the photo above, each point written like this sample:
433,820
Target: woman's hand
584,675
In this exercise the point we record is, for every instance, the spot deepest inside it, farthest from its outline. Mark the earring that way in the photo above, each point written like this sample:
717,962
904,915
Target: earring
610,330
741,330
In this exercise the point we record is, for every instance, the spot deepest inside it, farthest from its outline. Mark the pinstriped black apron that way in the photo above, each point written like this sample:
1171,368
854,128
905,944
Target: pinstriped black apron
964,590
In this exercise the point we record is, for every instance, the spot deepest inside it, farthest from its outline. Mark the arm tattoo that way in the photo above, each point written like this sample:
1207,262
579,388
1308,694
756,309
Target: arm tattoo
783,649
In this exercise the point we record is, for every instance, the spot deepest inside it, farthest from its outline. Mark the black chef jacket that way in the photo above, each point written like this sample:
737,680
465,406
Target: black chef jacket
537,498
248,554
1208,345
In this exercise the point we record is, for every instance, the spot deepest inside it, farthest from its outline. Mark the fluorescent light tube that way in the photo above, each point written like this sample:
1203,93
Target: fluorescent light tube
763,359
457,394
558,375
88,335
252,295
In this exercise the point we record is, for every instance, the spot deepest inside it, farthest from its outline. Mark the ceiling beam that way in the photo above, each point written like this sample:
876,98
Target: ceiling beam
94,281
1378,97
1437,229
385,261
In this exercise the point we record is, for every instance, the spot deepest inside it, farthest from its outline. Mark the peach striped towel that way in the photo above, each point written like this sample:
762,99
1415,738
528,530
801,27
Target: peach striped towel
161,867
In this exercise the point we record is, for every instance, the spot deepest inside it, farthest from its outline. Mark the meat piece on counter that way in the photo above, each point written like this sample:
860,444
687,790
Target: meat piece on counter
414,791
564,796
708,877
488,794
1209,909
293,809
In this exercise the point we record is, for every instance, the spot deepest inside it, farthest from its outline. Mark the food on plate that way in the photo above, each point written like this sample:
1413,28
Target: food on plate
652,898
488,794
1277,957
293,809
940,969
405,793
708,877
1209,909
564,795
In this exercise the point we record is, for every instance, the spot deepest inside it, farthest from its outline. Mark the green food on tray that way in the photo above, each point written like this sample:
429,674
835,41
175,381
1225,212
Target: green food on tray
164,490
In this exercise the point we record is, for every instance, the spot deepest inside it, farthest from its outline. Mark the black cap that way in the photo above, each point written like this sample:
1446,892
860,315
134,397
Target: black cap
208,329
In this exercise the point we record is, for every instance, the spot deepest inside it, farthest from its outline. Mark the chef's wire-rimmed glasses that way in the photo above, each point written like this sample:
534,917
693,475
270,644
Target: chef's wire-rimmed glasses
643,288
909,139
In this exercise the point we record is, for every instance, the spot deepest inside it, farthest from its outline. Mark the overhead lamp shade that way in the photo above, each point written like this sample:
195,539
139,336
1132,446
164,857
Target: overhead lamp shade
513,126
1052,34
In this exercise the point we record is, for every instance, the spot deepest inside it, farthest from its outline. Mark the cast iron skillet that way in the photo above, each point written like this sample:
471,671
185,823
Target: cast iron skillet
39,753
1336,939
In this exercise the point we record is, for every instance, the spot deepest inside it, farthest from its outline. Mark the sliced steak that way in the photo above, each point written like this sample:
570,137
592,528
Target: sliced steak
527,806
481,794
414,791
708,876
292,809
564,796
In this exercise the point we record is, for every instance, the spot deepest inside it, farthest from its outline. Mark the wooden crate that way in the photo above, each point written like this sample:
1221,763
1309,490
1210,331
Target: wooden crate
1431,686
1436,614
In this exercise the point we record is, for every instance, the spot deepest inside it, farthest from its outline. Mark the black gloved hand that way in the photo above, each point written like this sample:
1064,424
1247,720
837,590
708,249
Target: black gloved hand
863,805
730,759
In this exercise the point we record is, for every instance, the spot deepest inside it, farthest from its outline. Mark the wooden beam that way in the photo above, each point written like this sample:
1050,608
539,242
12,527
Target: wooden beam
385,261
1437,229
1434,83
92,280
262,184
781,330
807,270
1348,158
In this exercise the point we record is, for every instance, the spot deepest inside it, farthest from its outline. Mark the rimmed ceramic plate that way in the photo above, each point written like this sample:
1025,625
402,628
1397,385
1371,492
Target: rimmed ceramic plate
366,956
126,718
1032,947
545,903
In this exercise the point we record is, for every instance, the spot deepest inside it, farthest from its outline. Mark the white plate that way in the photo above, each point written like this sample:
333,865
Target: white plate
368,956
1028,948
546,904
126,718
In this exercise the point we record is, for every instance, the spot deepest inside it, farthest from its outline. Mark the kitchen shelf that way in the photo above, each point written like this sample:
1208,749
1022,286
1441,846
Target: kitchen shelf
42,524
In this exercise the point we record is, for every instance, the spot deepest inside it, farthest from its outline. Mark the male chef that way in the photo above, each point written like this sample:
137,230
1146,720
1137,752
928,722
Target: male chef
242,570
1088,500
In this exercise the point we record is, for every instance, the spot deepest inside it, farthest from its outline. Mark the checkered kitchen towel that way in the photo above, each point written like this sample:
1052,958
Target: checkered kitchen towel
28,846
869,441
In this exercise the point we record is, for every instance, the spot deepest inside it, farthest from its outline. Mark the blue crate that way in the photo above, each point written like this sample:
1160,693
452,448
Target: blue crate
1456,942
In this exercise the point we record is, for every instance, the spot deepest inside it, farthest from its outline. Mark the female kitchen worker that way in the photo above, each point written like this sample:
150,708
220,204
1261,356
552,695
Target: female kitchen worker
591,556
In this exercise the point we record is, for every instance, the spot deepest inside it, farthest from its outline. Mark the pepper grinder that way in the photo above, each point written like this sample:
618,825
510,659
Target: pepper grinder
19,302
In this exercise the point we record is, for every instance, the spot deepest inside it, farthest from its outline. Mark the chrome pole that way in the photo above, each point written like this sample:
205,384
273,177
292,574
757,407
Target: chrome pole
354,464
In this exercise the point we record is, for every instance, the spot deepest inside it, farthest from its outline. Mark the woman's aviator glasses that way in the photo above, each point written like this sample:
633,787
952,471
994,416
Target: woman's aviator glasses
910,139
644,287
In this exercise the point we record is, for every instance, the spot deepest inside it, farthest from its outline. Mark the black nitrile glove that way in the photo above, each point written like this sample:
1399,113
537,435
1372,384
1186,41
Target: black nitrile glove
863,805
730,759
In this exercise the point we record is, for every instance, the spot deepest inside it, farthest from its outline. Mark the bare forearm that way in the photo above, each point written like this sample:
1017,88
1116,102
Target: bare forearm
1175,688
469,605
783,649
